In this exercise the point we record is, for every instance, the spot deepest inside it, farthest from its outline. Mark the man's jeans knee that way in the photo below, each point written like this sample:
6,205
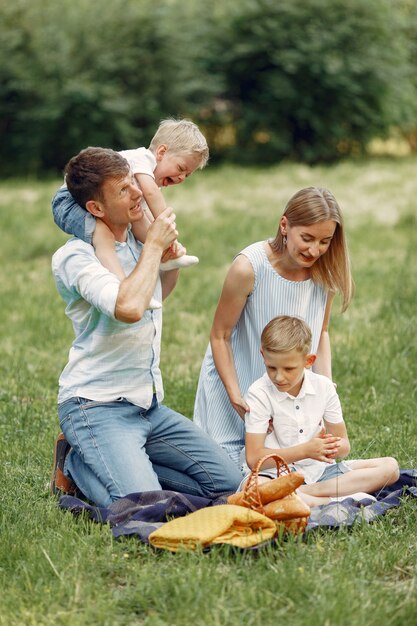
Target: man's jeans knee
119,448
186,459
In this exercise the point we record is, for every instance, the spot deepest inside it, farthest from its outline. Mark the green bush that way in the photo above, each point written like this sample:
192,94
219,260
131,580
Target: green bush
77,73
310,79
408,123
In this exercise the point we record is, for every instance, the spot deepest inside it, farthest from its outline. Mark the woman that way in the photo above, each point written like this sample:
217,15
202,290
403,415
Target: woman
296,274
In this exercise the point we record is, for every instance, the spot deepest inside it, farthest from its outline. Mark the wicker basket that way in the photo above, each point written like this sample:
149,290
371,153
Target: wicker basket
252,498
251,495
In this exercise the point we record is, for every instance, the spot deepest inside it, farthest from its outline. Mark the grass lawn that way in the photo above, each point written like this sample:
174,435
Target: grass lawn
57,569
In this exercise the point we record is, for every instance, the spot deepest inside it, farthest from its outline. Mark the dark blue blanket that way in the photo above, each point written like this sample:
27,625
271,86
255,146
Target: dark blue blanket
140,514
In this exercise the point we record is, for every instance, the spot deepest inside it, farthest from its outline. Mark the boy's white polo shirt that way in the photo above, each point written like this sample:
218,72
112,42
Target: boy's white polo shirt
295,419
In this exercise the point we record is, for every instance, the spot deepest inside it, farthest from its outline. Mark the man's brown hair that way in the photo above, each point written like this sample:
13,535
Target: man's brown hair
86,173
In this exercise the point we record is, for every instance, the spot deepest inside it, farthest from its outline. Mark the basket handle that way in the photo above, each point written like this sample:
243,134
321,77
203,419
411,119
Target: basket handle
251,494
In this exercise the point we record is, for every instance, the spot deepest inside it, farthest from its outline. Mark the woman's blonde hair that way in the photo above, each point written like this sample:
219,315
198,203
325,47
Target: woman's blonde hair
332,270
285,333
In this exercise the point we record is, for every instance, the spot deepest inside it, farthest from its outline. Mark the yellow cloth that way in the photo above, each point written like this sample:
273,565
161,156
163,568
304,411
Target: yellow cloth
225,523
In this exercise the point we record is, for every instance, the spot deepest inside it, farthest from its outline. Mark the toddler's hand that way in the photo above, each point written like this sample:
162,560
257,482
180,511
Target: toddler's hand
174,251
178,249
163,230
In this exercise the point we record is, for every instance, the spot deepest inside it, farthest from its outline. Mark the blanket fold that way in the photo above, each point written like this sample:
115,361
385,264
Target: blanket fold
225,523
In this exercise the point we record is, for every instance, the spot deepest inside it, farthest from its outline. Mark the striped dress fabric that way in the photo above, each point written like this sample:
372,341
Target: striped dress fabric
272,295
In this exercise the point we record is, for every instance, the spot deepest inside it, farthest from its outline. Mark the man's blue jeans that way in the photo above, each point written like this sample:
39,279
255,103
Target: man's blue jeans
119,448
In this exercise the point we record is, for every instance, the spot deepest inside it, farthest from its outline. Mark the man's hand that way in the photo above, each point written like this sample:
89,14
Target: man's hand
136,290
163,231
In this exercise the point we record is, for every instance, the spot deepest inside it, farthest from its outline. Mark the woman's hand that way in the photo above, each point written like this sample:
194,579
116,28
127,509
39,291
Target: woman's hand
240,406
236,289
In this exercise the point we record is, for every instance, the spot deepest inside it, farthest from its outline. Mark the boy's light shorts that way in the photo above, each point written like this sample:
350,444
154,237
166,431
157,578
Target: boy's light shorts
334,470
330,471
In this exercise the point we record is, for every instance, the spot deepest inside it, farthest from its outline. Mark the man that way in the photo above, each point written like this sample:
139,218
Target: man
117,436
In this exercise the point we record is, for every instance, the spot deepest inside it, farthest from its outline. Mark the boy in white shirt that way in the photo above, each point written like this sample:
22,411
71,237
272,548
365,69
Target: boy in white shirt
177,149
309,432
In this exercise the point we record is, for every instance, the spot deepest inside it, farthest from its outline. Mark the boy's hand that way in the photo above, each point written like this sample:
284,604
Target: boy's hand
335,452
323,435
323,447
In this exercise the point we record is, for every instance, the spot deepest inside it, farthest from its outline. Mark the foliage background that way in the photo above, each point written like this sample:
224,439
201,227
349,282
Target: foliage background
311,80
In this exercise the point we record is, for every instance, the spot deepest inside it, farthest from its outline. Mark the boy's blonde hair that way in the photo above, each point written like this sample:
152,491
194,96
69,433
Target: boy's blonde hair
181,137
285,333
332,270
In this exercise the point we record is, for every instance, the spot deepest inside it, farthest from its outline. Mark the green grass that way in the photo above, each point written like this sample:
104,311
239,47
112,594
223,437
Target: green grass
58,569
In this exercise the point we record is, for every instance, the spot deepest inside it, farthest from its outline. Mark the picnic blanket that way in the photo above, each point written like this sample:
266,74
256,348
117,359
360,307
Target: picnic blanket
140,514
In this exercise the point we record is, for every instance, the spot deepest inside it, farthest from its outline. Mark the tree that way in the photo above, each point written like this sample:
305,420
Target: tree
310,79
76,73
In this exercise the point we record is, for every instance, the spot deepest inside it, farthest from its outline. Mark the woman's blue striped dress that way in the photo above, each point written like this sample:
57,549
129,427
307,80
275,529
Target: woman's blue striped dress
272,295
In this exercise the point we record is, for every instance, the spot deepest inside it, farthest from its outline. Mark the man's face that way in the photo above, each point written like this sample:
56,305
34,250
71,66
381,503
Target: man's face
121,200
172,169
286,369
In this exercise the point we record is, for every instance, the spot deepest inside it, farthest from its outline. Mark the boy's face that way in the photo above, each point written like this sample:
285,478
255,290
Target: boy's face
286,369
171,168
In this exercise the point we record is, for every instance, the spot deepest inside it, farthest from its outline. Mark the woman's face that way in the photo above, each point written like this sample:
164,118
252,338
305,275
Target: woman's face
306,244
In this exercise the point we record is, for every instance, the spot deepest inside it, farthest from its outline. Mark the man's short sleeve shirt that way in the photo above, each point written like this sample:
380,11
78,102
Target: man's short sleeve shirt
108,359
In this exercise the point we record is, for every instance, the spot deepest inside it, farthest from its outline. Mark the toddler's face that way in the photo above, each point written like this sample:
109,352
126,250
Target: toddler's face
286,369
172,169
